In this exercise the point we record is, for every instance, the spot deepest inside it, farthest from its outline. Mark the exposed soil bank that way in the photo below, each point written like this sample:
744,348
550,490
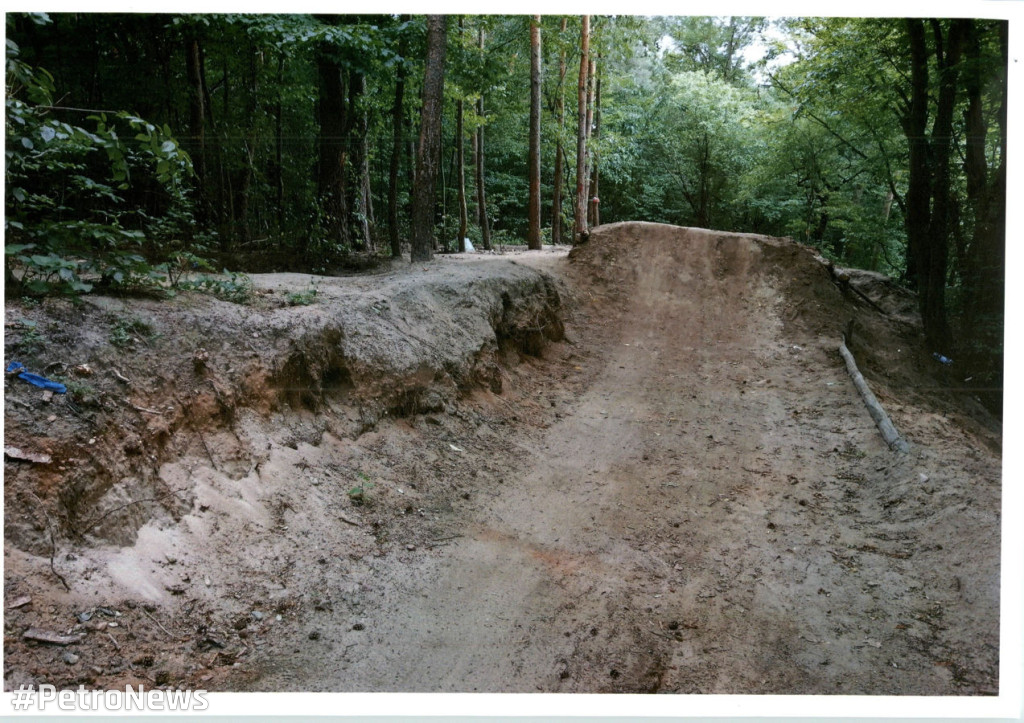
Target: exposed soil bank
683,494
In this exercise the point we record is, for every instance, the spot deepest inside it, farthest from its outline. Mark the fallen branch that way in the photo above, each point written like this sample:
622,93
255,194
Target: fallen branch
843,279
158,498
885,425
53,552
443,539
196,429
157,622
864,296
53,542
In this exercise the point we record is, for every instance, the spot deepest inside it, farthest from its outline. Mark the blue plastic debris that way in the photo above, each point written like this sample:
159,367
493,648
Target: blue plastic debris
941,359
35,379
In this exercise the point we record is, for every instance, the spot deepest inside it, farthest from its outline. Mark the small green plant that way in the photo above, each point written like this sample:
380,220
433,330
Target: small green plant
183,264
126,333
84,394
358,493
303,298
31,339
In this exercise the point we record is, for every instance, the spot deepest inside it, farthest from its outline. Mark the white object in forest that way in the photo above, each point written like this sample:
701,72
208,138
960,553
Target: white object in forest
469,246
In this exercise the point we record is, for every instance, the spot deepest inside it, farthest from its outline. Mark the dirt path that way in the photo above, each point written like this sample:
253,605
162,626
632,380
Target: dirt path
710,511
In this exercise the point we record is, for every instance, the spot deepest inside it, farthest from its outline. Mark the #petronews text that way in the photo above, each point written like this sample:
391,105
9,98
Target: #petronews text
27,697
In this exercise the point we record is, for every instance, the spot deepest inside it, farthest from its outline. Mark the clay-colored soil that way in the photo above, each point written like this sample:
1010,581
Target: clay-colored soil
684,494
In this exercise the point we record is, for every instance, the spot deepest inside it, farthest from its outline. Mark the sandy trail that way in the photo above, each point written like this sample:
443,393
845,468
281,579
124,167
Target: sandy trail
704,518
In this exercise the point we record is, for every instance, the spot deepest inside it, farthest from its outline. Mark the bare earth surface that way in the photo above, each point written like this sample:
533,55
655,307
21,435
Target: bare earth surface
683,493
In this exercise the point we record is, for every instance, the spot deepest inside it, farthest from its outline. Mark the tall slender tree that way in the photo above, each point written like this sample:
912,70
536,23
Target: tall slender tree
460,141
397,127
533,237
595,170
580,217
556,201
983,265
461,173
929,212
478,162
359,151
332,163
197,109
428,151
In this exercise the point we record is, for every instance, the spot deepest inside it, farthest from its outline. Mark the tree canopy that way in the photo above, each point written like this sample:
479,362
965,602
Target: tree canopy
140,142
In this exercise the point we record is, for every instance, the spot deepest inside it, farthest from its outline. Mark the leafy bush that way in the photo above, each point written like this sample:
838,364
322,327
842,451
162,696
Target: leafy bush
236,288
82,202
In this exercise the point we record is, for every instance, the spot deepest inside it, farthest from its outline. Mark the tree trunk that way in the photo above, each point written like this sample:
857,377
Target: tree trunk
915,123
248,145
556,202
983,267
533,240
478,162
279,145
595,173
356,148
428,152
366,197
461,180
460,145
197,125
397,124
591,72
332,153
942,199
580,217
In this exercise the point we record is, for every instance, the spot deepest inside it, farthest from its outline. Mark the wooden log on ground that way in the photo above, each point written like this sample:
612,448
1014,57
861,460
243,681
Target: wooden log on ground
885,425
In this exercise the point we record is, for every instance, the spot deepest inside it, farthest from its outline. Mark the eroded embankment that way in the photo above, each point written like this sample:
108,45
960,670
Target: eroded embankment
388,345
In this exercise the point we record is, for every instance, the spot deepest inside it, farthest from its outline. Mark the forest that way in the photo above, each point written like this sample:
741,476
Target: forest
147,152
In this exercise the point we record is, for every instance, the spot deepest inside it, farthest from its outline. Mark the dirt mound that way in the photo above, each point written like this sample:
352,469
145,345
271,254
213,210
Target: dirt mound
730,272
659,262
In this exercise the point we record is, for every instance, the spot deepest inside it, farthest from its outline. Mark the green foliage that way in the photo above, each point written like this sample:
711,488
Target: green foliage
358,494
712,45
81,393
30,339
73,216
303,298
182,265
236,288
126,333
